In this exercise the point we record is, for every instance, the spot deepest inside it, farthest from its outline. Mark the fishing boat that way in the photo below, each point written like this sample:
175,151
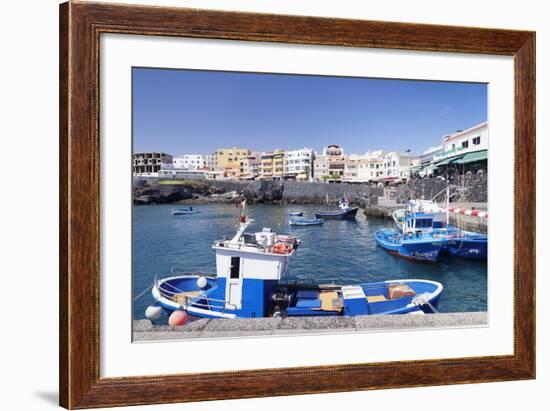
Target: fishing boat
412,238
305,221
344,211
458,242
429,207
461,243
248,283
184,211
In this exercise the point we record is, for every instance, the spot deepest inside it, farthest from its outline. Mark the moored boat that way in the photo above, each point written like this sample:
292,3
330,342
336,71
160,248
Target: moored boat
344,212
458,242
248,282
184,211
412,238
305,221
418,247
296,214
465,244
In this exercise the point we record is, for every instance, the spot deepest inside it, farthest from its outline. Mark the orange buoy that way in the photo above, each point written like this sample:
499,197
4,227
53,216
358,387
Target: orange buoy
178,317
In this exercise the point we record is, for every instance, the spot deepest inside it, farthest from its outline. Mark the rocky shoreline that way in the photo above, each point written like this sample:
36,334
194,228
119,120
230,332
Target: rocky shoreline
374,198
255,192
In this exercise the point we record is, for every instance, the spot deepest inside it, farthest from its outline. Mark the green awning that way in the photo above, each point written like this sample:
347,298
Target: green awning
449,160
475,156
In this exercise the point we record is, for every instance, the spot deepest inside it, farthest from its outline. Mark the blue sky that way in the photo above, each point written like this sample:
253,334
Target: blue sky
185,111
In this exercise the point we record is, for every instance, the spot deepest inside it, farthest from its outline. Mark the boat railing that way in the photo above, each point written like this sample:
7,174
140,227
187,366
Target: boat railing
210,303
183,272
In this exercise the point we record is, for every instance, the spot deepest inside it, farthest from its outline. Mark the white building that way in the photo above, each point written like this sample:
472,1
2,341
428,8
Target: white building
298,164
464,141
362,168
398,165
189,161
211,161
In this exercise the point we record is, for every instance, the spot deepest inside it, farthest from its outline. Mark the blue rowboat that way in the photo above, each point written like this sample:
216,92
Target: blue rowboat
184,211
248,283
304,221
418,247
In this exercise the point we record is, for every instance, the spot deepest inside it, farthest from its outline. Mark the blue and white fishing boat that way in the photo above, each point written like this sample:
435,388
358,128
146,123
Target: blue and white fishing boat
249,283
458,242
305,221
461,243
344,211
184,211
412,238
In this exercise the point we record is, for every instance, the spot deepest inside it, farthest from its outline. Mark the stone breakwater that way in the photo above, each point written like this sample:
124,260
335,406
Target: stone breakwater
255,192
469,188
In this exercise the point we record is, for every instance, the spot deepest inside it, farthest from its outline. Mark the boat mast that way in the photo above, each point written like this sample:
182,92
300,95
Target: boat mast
244,223
448,205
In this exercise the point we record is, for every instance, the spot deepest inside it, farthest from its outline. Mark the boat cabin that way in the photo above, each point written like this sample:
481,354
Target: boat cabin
248,268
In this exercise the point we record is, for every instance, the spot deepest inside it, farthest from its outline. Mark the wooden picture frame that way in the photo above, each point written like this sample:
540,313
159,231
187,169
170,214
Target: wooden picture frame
80,27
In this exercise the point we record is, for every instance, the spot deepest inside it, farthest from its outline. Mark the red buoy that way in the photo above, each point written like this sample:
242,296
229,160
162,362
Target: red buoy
178,317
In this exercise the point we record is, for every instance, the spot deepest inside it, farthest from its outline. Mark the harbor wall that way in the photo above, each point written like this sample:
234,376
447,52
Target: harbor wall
148,191
144,330
469,188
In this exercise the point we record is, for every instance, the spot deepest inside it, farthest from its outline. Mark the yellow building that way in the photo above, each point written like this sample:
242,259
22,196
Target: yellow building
272,165
232,159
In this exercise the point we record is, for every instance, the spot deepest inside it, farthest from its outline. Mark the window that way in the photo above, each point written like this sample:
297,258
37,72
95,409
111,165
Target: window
476,141
465,144
235,267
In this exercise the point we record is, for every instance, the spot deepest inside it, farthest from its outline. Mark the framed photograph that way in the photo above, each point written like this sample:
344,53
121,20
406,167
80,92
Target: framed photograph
257,205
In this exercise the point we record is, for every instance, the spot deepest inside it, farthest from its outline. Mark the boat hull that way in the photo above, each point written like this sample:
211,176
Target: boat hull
471,249
464,244
301,223
303,301
337,215
417,249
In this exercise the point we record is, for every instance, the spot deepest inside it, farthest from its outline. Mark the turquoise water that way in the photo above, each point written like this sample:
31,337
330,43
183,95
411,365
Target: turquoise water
343,252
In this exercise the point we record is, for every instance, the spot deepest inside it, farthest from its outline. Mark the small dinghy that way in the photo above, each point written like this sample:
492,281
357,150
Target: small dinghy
184,211
296,214
247,284
344,212
305,221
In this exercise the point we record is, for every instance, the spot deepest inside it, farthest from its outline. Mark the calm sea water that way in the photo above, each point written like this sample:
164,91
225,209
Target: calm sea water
343,252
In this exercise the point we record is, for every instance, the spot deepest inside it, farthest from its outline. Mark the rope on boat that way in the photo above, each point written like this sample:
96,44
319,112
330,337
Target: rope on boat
423,299
143,292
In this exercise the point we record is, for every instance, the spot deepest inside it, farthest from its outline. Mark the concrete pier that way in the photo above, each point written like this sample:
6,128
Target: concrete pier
144,330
